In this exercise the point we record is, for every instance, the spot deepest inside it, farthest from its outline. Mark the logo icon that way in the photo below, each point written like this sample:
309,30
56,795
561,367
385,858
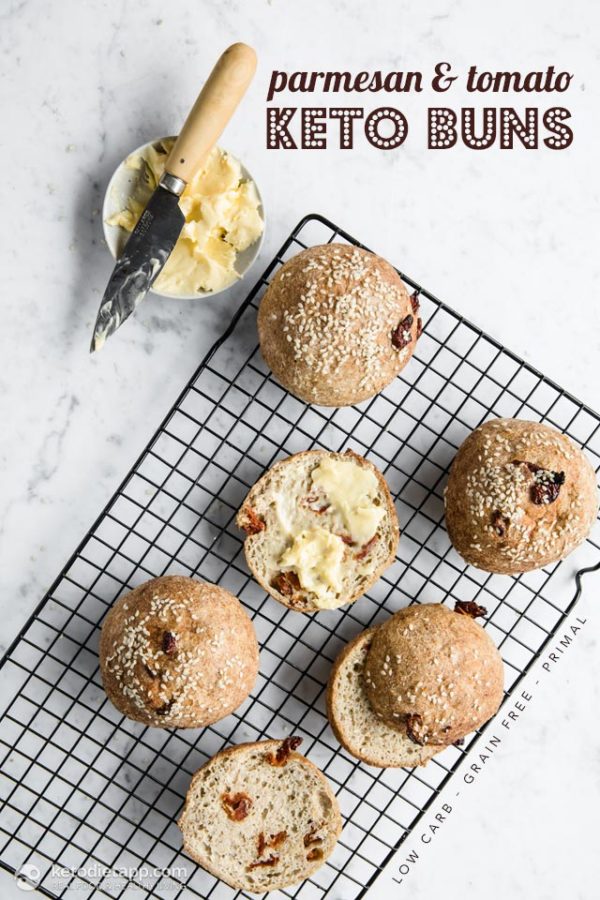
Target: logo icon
27,877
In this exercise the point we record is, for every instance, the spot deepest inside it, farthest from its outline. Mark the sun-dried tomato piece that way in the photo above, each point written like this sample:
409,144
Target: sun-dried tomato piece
252,523
237,806
314,502
414,302
533,467
165,708
499,523
169,643
546,487
469,608
282,754
346,539
366,547
546,484
272,843
315,853
309,499
415,729
287,583
311,836
276,840
419,328
401,335
271,860
458,742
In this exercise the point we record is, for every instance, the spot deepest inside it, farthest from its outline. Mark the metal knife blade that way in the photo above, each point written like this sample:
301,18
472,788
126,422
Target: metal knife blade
144,255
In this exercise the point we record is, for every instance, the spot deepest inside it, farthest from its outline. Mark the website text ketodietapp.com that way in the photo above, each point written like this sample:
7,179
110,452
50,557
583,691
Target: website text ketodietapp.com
386,127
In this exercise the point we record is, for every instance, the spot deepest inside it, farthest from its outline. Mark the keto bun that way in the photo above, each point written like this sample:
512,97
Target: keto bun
260,816
353,720
520,496
336,325
177,653
321,527
434,673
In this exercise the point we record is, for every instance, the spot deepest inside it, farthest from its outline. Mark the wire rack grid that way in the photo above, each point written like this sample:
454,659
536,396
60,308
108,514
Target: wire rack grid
95,794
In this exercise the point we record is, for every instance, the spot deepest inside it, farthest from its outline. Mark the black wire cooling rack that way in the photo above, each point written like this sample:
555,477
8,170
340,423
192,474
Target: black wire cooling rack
97,795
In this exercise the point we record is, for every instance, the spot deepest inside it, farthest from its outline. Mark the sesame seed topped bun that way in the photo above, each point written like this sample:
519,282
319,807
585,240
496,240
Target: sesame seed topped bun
434,672
336,325
177,653
520,496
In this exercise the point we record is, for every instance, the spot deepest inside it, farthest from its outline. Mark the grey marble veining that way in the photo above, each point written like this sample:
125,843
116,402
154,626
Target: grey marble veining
509,238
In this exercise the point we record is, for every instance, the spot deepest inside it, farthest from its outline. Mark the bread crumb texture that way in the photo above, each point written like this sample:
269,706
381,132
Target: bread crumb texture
320,529
520,496
336,325
178,653
291,819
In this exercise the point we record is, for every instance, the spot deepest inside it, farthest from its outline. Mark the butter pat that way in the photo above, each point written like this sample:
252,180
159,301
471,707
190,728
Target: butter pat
286,510
221,220
316,556
351,489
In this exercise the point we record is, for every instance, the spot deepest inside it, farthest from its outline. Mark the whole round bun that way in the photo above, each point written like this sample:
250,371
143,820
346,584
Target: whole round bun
336,325
434,672
520,496
177,653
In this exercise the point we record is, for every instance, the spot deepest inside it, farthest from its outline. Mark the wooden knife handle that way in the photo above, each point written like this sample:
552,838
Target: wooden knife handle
218,100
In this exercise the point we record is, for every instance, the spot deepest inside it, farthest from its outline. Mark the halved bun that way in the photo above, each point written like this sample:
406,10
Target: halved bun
290,518
260,816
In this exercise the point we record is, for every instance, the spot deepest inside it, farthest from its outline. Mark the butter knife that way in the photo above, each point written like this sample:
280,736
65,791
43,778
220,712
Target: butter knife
155,235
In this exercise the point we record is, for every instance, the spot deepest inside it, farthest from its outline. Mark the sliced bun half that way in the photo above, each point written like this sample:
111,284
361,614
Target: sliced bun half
260,816
353,720
321,527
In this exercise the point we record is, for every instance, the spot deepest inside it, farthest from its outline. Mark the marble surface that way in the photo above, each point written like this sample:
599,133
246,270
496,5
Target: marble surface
509,238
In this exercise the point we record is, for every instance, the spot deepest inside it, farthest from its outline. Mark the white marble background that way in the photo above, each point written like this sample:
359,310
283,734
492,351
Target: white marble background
509,238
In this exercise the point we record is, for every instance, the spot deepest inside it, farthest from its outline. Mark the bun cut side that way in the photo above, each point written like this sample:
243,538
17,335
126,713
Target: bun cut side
320,529
260,816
